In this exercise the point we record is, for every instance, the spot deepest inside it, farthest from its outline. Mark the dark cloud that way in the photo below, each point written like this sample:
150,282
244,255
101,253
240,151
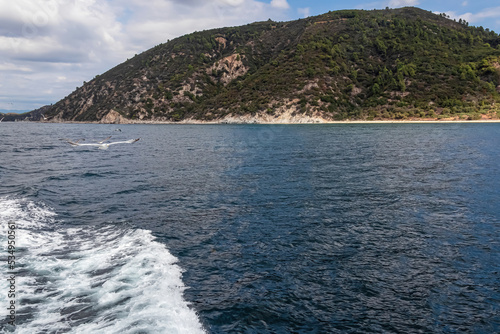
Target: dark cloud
10,27
14,28
55,56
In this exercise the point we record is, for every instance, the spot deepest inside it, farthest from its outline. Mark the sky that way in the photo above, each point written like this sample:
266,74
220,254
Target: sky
48,48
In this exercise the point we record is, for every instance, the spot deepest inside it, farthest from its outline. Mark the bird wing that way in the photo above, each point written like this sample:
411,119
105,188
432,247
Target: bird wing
101,144
74,143
130,141
102,141
89,144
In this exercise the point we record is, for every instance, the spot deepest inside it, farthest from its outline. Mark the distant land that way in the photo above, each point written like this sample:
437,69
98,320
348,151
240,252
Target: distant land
393,64
5,111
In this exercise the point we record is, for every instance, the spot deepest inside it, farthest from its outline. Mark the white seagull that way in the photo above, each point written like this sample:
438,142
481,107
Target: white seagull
102,145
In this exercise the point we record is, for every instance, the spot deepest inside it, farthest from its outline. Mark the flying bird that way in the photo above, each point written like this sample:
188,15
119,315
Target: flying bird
102,145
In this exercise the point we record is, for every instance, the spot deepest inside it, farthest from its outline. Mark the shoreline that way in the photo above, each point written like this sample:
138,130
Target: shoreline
270,123
222,122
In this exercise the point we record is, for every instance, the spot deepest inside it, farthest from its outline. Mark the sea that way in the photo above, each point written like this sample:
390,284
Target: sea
324,228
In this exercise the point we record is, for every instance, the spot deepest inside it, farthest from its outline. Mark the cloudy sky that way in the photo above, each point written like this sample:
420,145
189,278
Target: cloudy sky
49,47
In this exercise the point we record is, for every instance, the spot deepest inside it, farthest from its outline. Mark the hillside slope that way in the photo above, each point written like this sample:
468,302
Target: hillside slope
383,64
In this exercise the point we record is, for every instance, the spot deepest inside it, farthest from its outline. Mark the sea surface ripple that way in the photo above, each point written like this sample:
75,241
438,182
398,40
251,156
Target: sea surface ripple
374,228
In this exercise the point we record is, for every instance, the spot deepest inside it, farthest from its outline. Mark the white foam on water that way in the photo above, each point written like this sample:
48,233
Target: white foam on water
90,280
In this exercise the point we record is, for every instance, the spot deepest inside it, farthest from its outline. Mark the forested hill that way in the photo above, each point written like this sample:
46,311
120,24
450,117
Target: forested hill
350,64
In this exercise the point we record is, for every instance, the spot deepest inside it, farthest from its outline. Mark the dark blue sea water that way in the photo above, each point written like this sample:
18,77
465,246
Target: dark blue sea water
379,228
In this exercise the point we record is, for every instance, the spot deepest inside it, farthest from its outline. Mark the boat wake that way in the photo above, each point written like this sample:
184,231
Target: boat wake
93,279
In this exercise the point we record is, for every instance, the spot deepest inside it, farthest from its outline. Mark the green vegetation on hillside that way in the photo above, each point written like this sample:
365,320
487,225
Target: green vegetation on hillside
383,64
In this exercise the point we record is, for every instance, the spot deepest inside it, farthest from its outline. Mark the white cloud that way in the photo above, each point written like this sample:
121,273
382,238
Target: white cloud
232,2
488,13
283,4
465,3
9,67
403,3
305,12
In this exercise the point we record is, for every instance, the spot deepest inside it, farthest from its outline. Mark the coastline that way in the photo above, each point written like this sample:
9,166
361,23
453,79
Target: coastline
197,122
288,116
282,118
225,122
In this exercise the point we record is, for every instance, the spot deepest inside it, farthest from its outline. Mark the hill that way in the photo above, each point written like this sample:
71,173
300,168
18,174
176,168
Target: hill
351,64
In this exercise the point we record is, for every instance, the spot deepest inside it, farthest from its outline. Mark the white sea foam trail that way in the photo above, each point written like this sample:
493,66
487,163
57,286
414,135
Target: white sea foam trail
89,280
